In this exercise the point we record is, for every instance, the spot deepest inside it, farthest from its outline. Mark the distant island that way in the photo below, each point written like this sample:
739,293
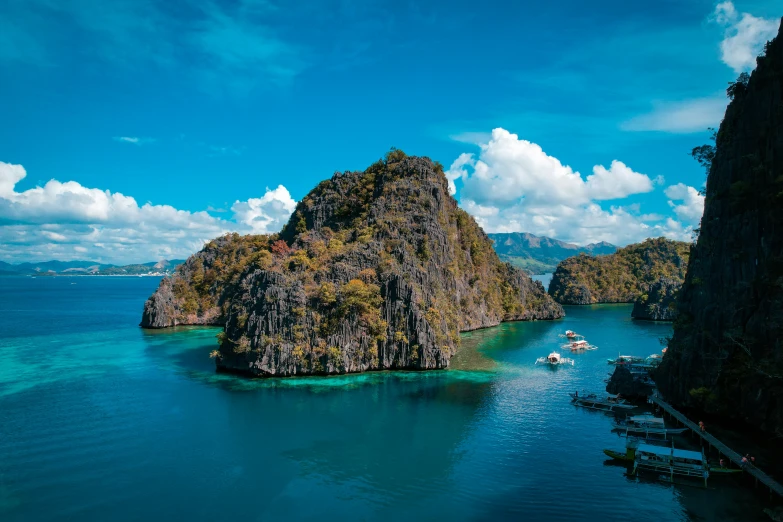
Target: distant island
541,255
375,270
648,274
55,268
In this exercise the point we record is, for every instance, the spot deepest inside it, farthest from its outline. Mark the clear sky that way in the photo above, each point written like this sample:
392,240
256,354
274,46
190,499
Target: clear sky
134,130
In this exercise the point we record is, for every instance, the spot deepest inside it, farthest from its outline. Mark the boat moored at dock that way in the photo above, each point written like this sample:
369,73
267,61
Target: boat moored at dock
647,424
672,461
608,403
626,359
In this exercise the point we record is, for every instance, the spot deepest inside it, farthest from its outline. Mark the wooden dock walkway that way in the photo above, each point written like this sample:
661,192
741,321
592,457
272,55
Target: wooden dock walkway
735,457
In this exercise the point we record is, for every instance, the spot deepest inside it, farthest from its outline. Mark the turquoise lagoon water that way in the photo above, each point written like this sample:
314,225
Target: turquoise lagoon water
100,420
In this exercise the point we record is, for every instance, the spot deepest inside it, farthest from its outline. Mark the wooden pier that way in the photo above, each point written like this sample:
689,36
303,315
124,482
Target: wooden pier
735,457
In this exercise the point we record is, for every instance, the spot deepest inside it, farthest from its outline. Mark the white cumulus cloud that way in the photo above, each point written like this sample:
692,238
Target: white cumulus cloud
744,36
510,169
691,204
514,186
617,182
66,219
267,213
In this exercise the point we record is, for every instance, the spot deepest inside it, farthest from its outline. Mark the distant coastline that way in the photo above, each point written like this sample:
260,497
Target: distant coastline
84,275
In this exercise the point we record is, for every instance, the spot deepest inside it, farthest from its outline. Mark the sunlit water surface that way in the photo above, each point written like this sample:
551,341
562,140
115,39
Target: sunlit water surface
100,420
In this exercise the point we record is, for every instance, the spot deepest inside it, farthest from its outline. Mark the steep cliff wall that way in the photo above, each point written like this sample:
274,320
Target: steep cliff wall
375,270
726,355
659,302
196,294
621,277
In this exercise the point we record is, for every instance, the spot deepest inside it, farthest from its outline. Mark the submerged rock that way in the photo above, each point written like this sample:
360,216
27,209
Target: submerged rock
375,270
726,356
660,301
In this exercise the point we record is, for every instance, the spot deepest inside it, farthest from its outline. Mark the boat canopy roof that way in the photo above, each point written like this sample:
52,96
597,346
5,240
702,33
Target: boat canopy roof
666,452
648,419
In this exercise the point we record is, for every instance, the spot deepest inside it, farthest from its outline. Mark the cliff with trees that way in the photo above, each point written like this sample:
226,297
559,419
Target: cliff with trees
375,270
725,356
622,277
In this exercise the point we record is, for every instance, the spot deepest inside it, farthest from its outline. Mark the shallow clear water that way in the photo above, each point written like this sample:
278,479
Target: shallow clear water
100,420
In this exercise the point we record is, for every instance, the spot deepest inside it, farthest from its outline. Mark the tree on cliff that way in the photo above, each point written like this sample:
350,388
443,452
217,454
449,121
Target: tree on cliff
377,269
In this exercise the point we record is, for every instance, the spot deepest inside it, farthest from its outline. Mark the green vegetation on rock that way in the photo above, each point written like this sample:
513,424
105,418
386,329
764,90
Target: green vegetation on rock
725,357
376,269
621,277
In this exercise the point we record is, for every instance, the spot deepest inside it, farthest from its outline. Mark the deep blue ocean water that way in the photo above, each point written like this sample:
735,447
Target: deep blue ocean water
100,420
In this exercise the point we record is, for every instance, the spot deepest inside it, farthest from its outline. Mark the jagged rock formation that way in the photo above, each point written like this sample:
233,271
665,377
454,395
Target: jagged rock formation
538,254
621,277
623,382
659,302
197,293
375,270
726,356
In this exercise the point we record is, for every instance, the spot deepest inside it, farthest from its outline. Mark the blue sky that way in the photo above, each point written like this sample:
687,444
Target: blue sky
198,108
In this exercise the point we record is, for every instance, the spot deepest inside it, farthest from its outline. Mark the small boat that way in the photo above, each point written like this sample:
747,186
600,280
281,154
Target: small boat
579,345
649,456
673,461
571,334
646,424
554,359
626,359
593,402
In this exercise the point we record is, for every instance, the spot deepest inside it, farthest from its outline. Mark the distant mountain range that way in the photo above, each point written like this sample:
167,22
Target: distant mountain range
535,254
540,255
163,267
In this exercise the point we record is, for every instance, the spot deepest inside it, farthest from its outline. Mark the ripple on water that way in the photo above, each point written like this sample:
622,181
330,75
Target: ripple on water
102,421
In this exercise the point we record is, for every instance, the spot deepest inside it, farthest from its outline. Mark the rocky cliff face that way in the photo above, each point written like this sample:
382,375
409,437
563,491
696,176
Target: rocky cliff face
726,355
658,303
624,383
197,292
375,270
621,277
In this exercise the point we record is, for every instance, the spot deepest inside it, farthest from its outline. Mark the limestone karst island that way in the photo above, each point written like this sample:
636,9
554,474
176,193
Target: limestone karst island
375,261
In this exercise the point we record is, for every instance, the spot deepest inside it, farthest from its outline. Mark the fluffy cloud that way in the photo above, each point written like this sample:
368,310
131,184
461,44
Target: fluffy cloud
682,117
510,169
67,220
267,213
617,182
691,205
744,37
513,185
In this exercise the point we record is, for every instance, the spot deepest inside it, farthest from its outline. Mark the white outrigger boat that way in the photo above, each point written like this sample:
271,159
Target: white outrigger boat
577,345
647,424
554,359
593,402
